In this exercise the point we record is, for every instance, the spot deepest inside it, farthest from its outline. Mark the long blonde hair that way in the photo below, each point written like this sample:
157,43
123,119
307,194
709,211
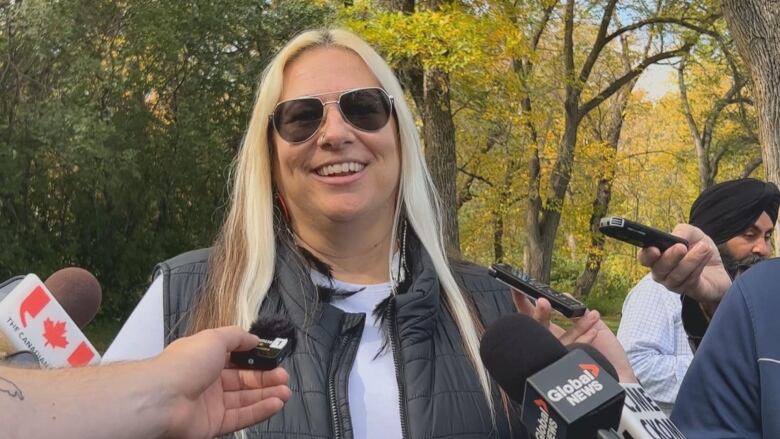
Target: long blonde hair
242,264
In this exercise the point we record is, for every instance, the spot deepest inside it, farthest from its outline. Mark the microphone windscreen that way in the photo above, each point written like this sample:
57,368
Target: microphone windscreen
274,327
78,292
597,356
515,347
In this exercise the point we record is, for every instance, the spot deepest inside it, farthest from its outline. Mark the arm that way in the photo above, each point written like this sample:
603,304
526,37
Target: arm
651,333
720,396
187,391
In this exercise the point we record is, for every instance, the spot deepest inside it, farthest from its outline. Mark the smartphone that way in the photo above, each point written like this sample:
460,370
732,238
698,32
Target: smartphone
637,234
563,303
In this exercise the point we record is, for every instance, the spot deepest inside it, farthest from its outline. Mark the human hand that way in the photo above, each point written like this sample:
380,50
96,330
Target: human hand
696,271
207,398
589,329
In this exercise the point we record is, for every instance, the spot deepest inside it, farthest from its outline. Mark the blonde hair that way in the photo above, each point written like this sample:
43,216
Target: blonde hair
242,265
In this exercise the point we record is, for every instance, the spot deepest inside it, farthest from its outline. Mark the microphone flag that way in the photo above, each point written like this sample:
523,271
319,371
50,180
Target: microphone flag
32,319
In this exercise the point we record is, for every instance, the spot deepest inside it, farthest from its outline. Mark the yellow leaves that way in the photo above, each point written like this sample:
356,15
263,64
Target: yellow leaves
449,39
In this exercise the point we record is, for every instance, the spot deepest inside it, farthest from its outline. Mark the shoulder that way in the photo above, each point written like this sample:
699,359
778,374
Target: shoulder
491,298
754,298
759,283
183,278
475,278
191,262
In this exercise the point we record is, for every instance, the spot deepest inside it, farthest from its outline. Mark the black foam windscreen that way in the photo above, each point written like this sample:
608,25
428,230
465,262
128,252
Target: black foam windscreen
515,347
274,327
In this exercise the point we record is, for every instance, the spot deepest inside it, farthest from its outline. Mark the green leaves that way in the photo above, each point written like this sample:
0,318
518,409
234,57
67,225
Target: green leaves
118,124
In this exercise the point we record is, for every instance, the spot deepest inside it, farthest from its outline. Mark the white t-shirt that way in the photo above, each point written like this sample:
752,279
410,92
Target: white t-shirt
373,386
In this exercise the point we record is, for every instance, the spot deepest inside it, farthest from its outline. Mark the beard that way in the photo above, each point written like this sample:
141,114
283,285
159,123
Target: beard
734,267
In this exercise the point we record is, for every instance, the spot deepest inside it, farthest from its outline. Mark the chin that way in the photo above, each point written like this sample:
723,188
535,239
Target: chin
342,211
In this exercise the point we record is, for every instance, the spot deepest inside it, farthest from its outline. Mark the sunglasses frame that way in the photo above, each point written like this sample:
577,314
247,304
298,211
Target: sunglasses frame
337,101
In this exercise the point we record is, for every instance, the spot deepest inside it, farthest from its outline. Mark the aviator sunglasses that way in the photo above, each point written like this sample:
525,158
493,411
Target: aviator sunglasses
367,109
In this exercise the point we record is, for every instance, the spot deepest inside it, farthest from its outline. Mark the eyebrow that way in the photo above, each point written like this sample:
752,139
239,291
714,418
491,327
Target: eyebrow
755,229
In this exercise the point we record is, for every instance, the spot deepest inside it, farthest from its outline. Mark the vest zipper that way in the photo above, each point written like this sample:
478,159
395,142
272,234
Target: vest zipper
399,373
334,410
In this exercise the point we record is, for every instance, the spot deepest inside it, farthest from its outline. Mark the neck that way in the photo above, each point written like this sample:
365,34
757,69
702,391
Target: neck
357,253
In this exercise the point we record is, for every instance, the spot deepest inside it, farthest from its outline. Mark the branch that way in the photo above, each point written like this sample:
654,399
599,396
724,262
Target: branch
750,167
720,104
717,157
626,78
600,42
663,20
568,43
686,105
475,176
543,25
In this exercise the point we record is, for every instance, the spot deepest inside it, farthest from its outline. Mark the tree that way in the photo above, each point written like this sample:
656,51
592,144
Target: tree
118,123
755,26
608,133
430,89
704,120
544,206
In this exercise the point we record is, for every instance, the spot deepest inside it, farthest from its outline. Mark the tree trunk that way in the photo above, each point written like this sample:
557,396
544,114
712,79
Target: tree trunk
498,236
755,26
439,137
603,196
430,89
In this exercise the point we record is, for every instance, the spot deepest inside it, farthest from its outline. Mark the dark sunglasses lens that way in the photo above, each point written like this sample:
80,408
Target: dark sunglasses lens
298,119
367,109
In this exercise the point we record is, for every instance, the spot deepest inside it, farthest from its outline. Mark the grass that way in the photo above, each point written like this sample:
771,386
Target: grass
612,321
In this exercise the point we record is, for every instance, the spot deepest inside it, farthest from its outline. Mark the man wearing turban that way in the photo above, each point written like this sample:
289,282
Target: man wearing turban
739,216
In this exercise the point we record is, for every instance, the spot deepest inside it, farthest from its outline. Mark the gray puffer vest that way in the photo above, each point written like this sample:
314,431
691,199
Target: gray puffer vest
440,395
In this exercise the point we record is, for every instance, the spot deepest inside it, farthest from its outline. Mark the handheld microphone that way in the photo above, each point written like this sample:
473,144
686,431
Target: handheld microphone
6,348
641,417
564,394
32,319
78,291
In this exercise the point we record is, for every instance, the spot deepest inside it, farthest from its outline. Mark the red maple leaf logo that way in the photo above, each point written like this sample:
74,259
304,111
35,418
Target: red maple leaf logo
54,333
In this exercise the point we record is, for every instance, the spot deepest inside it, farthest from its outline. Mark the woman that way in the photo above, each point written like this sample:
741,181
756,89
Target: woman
334,220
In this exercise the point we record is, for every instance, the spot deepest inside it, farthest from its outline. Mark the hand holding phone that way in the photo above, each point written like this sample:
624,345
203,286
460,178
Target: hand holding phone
565,304
638,234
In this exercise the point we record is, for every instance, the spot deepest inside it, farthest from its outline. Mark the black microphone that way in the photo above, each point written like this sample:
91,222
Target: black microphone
641,418
564,394
277,341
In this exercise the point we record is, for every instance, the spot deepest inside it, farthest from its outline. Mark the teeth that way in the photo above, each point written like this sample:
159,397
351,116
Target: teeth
340,168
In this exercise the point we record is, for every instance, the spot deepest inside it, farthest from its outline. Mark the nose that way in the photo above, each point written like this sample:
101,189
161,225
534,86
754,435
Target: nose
335,131
762,247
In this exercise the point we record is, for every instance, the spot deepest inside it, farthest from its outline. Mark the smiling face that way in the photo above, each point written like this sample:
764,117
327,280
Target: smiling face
341,174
